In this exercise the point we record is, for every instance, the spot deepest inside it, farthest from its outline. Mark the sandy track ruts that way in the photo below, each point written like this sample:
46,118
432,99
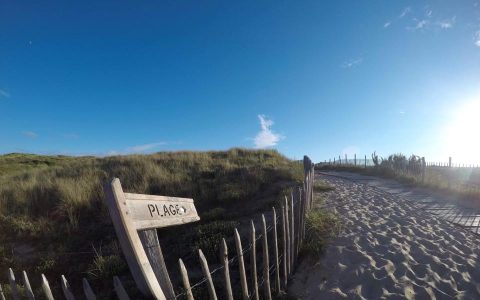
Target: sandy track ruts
389,249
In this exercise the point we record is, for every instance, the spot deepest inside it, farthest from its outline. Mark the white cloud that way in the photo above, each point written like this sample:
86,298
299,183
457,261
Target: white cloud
387,24
352,63
405,12
145,147
446,24
4,94
477,38
419,24
266,137
30,134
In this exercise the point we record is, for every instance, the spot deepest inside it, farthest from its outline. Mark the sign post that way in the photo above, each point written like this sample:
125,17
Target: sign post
132,213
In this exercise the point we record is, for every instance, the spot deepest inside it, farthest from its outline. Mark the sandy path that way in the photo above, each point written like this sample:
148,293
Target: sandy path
389,249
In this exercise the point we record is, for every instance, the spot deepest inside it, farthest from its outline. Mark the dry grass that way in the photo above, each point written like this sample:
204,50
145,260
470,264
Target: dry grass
52,208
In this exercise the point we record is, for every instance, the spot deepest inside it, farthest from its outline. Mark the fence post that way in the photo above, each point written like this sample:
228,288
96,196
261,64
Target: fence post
46,288
253,261
292,234
13,284
355,159
185,281
151,244
67,292
226,270
28,288
284,244
275,252
87,289
266,263
365,161
241,265
206,272
119,290
287,225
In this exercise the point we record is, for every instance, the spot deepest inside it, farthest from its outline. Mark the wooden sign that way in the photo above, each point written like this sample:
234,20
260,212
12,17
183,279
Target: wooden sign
133,212
150,211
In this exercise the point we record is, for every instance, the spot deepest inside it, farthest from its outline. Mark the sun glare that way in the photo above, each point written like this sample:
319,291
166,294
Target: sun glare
462,140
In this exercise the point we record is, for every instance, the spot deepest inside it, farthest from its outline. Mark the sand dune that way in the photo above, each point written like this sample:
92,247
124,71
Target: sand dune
390,249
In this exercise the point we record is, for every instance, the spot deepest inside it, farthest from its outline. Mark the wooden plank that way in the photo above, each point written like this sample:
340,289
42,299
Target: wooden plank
266,263
185,280
292,234
135,255
46,288
241,265
253,261
13,285
226,270
287,226
119,290
206,273
151,244
87,290
151,211
284,244
275,252
67,291
27,286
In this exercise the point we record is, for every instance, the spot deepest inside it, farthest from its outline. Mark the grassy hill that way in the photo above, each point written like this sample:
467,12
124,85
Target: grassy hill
53,219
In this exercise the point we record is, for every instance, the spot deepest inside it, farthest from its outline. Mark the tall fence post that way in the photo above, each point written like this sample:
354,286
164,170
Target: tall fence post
226,270
266,263
275,252
253,261
241,265
284,244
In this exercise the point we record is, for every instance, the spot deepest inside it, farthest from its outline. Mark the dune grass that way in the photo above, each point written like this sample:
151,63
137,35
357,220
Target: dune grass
53,218
461,183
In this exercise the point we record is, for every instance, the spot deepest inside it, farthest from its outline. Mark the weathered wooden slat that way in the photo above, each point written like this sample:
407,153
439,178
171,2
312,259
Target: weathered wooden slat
28,288
2,296
185,280
152,211
87,290
133,250
13,285
46,288
253,261
275,252
287,225
292,234
67,291
119,290
266,263
284,244
206,273
241,265
226,270
151,244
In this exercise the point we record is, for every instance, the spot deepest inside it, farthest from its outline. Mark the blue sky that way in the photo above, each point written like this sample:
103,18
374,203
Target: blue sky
304,77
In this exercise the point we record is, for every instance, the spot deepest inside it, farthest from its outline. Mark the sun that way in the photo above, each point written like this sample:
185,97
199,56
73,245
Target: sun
462,138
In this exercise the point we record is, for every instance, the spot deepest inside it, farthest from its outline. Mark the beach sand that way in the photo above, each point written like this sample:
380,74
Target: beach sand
389,249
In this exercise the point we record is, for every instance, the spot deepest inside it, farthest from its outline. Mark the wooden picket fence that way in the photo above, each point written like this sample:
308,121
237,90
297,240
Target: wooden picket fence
284,233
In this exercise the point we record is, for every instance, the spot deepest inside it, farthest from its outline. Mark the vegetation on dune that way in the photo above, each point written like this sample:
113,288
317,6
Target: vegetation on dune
462,183
53,218
320,227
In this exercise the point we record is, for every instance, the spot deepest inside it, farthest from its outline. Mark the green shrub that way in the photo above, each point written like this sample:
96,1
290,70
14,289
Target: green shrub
320,227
